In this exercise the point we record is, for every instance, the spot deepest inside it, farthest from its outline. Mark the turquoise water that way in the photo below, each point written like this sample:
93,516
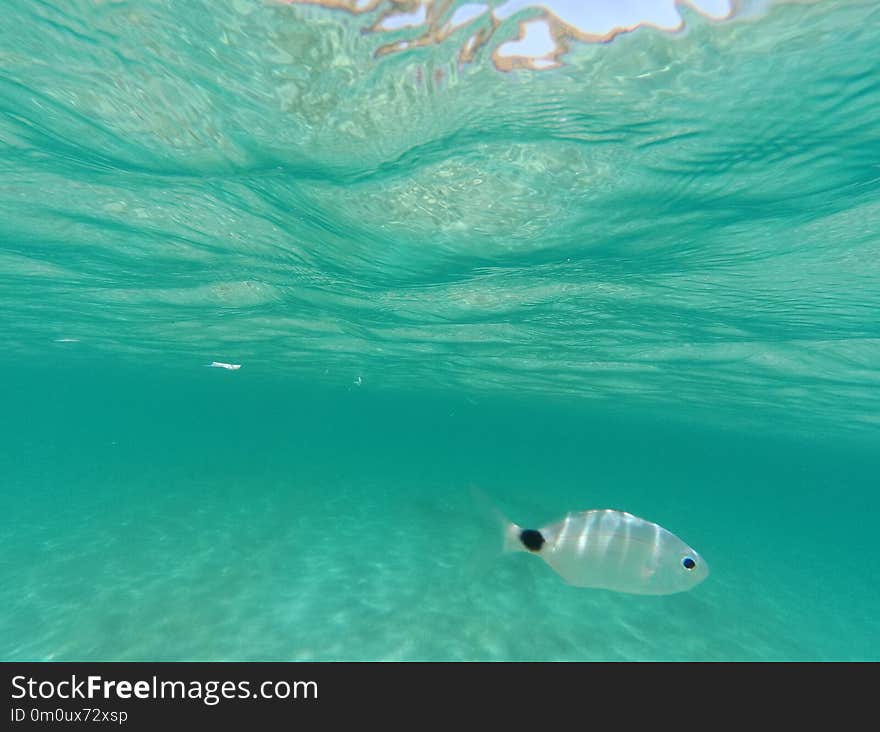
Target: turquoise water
647,279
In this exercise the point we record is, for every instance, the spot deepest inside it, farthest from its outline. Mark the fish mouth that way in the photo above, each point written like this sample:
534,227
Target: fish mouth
701,570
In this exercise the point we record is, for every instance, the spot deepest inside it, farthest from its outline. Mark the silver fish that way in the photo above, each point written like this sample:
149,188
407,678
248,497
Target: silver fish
612,550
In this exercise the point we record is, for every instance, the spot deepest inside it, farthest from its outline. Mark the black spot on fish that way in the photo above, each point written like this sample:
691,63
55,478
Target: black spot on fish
532,540
688,563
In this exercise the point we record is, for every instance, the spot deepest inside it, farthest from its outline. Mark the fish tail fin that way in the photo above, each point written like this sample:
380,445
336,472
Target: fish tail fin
512,541
509,531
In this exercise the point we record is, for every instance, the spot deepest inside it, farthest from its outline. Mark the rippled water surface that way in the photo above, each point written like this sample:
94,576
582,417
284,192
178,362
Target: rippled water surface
636,270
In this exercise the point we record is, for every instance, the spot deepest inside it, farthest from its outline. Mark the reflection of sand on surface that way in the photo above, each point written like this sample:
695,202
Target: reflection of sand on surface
544,33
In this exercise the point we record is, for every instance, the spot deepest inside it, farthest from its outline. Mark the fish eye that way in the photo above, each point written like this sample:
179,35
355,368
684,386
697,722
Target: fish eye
688,563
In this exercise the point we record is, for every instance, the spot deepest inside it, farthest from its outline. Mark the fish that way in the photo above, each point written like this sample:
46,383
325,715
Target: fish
611,550
221,365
